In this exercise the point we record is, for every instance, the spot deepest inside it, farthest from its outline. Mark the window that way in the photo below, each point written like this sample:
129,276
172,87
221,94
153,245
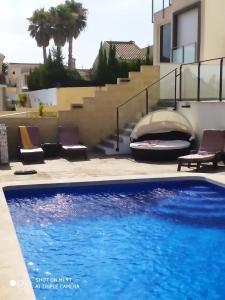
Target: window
165,42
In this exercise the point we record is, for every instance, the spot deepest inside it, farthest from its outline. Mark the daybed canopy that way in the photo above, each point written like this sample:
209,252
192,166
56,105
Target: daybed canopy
162,121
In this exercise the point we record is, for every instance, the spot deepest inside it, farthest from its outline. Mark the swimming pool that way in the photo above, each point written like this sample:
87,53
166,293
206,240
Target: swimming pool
147,240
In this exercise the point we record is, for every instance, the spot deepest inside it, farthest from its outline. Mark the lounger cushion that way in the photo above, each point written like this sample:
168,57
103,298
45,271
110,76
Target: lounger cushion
33,150
161,145
75,147
201,156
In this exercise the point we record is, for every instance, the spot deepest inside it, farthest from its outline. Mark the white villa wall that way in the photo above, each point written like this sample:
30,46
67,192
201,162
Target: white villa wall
204,115
47,97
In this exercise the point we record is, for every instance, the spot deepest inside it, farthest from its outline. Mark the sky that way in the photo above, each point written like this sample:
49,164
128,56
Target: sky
120,20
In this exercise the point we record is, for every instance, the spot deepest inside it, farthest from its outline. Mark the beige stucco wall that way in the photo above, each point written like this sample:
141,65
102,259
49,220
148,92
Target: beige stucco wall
213,33
97,118
74,95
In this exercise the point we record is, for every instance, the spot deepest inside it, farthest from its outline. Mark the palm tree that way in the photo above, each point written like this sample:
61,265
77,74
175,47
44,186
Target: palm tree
59,17
40,29
75,24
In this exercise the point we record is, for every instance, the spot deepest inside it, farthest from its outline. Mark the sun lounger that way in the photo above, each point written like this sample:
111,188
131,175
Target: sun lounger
210,150
30,146
69,140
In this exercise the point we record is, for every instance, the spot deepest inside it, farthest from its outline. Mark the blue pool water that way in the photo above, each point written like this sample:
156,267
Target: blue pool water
123,242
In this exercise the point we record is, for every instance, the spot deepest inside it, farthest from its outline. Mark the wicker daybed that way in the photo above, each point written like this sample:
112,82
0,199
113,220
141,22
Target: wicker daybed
161,135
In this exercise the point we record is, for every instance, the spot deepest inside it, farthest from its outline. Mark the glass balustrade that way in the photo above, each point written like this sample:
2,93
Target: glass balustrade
185,54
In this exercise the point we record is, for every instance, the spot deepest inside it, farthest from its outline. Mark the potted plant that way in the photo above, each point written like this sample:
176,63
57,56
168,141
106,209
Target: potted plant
40,109
22,99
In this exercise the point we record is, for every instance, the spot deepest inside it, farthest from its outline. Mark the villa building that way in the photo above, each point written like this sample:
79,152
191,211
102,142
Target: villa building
17,75
126,50
188,31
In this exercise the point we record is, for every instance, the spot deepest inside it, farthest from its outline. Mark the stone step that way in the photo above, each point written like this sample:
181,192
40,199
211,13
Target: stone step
108,143
127,131
114,138
98,150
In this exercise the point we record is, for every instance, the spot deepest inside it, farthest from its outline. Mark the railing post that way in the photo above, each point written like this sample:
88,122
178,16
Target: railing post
152,11
196,58
180,96
163,9
182,54
199,81
117,130
175,91
146,100
221,80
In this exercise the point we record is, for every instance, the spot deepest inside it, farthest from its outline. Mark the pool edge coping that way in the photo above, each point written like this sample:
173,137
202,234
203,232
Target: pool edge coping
15,269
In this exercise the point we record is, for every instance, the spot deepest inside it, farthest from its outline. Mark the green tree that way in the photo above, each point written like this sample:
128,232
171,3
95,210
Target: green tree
100,74
112,65
148,61
40,29
52,73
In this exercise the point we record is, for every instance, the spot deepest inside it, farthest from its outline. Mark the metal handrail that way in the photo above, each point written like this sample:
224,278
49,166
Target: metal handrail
205,60
146,99
147,87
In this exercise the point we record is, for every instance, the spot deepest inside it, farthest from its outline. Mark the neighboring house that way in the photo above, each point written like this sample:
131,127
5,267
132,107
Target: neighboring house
126,51
189,30
85,73
17,75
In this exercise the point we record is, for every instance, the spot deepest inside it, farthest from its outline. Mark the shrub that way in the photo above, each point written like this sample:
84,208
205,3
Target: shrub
22,99
52,73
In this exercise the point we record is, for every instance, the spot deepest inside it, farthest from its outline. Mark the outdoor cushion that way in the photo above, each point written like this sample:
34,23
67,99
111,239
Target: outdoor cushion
74,147
161,145
34,150
200,156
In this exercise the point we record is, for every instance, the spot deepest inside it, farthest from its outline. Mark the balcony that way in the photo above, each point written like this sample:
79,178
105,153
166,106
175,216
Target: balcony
185,54
159,5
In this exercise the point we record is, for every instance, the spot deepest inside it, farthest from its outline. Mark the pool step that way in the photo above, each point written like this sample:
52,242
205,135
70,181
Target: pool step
197,208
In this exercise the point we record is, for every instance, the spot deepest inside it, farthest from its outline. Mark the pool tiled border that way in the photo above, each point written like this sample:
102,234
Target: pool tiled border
15,283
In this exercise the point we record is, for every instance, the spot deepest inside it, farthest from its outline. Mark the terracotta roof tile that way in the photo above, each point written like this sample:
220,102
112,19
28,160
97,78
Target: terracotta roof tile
127,50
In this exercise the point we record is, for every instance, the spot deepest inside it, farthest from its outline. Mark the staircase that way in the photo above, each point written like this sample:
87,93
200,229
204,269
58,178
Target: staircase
108,145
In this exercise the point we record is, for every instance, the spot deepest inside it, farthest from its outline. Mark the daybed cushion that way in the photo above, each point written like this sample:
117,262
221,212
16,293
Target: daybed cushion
33,150
161,145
